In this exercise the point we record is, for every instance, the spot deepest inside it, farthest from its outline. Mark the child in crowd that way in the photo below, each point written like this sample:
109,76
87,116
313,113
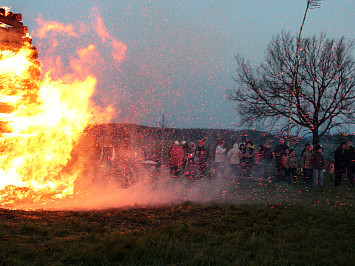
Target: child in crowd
292,166
330,169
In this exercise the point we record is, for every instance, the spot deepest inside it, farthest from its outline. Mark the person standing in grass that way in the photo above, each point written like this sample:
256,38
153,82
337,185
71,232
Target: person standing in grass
234,159
302,152
292,166
249,158
350,163
219,160
176,158
265,160
339,163
330,169
202,156
242,159
279,151
318,164
257,166
306,164
286,176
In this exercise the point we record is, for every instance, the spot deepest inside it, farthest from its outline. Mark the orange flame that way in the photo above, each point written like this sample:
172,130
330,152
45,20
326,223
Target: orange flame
42,125
40,122
55,27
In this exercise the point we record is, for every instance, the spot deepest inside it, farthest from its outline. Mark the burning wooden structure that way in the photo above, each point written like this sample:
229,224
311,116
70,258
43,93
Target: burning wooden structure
14,36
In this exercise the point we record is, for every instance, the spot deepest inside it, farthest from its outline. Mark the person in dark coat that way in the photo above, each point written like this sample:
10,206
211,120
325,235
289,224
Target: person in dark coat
307,165
339,163
249,158
265,160
202,157
279,151
350,163
186,148
318,164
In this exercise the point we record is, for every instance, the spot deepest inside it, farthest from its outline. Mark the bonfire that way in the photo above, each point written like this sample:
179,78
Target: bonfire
41,120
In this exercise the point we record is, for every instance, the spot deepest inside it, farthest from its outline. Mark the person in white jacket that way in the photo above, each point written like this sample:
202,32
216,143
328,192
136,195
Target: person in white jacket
234,159
219,159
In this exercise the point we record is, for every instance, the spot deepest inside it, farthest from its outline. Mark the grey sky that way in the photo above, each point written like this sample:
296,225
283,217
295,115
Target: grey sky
180,54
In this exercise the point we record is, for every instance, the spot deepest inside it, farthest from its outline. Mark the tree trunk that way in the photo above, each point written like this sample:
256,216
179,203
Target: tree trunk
315,135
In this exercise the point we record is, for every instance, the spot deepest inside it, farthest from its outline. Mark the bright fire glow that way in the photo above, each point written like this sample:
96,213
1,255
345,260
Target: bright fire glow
40,122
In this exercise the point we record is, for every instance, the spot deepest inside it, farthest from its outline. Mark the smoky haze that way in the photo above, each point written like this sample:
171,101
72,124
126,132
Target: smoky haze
127,181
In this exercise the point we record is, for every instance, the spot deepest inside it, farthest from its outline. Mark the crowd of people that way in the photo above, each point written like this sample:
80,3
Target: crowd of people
190,160
244,161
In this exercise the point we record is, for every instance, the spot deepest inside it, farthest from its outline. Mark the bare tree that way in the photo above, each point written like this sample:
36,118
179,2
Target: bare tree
324,94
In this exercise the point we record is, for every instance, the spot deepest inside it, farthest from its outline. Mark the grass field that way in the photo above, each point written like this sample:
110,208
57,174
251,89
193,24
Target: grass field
269,224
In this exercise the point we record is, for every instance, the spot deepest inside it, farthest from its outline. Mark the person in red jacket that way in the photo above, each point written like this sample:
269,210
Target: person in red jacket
176,156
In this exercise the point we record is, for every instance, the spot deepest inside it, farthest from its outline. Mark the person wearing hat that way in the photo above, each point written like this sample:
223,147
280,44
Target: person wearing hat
318,164
233,156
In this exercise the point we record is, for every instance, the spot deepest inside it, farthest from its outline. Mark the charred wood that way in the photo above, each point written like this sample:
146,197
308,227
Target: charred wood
9,20
20,30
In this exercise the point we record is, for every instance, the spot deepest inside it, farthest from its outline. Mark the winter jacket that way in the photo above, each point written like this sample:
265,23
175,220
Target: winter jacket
339,158
291,162
349,157
317,160
234,155
202,154
266,155
249,155
284,158
279,151
220,154
176,155
306,160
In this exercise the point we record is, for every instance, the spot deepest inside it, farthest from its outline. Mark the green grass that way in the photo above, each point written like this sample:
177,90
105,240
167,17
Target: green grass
268,224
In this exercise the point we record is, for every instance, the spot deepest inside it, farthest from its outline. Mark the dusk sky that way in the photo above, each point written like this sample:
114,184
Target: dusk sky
173,57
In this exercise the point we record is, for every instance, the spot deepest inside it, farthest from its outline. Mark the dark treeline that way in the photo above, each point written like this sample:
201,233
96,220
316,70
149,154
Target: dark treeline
124,130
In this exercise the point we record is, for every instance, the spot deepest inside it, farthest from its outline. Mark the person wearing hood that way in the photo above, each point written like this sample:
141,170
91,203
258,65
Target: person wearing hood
176,158
220,155
234,159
